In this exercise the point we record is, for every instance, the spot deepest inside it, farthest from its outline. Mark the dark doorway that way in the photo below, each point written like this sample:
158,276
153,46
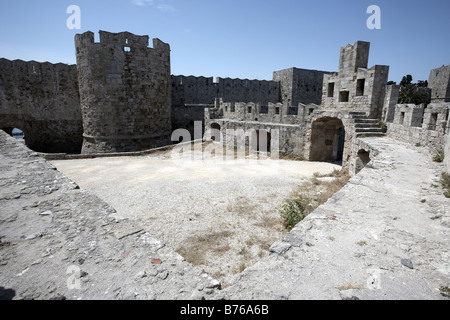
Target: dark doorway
327,140
263,138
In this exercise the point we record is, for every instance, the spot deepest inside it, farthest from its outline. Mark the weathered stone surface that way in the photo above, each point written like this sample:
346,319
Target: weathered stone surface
79,251
379,220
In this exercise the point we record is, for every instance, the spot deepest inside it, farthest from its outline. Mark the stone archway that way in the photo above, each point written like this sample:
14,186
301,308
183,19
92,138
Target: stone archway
16,129
327,140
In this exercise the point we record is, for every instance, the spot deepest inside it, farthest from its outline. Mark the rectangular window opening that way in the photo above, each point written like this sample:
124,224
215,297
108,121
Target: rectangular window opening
402,117
434,117
277,110
126,49
331,90
360,84
344,96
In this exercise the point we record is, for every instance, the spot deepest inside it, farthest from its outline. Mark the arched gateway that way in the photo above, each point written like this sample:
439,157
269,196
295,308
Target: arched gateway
327,140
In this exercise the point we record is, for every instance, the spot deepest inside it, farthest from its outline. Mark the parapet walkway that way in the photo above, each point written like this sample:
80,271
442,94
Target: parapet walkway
385,235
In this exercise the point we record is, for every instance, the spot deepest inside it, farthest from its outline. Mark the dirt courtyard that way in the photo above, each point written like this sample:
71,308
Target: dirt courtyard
220,216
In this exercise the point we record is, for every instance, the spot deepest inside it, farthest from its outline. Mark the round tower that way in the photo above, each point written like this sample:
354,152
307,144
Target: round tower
124,92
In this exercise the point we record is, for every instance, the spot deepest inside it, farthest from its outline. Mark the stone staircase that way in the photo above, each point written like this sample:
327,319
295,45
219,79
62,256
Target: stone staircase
365,127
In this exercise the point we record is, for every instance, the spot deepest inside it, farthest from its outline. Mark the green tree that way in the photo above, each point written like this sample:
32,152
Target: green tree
407,93
406,80
414,93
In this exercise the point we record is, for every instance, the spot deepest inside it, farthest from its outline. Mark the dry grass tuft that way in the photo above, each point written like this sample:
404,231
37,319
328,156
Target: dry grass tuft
318,192
195,248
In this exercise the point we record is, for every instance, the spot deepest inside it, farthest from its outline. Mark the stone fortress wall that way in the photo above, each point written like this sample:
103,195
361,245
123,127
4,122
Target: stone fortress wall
116,98
41,99
191,95
354,102
121,97
322,126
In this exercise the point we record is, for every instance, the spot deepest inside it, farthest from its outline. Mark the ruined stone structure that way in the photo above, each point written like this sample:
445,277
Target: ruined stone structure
42,100
300,85
317,124
354,87
124,92
355,101
191,95
390,101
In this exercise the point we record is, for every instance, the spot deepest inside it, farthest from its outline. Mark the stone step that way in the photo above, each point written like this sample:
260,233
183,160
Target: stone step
356,113
370,134
366,125
375,130
365,120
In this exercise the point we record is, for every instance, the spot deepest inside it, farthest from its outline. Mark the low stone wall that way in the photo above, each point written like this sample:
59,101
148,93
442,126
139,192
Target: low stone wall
421,126
289,138
415,135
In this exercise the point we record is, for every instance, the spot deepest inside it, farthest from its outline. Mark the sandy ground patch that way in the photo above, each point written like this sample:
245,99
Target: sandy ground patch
221,216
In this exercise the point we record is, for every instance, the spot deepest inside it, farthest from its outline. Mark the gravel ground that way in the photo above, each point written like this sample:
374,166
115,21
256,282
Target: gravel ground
220,216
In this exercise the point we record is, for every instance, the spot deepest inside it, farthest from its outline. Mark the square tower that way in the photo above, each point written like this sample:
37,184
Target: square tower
355,88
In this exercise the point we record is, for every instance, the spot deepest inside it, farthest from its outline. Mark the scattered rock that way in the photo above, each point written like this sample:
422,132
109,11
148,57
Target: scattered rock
163,274
407,263
214,283
280,247
83,274
156,261
125,228
141,274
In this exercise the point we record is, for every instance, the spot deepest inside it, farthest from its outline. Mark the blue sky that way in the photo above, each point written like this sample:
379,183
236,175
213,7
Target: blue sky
240,39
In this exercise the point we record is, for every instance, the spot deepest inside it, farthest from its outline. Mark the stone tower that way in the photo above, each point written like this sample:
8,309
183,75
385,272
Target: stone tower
124,91
355,88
